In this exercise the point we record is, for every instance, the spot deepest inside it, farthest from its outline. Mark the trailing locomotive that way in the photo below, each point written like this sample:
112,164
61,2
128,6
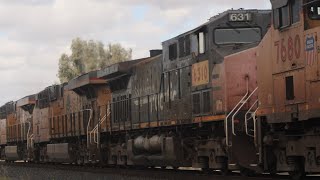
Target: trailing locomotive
177,112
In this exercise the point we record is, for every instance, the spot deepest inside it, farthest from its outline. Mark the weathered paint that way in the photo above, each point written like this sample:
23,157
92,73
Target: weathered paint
240,68
3,132
200,73
291,51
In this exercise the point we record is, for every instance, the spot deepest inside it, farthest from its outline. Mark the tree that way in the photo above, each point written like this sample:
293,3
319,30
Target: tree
88,56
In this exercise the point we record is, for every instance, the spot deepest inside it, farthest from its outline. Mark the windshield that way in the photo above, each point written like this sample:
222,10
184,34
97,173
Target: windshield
237,35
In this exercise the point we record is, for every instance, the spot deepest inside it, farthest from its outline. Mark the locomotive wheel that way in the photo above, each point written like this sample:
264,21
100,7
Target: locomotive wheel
297,175
298,172
225,171
80,160
246,172
207,170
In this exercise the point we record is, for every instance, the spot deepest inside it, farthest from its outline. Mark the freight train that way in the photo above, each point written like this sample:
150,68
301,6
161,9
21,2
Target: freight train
239,92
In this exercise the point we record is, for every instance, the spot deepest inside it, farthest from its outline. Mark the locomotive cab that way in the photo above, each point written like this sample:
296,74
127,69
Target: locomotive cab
311,12
206,72
294,66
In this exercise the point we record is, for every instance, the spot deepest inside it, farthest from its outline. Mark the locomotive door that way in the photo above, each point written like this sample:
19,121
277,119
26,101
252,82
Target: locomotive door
289,92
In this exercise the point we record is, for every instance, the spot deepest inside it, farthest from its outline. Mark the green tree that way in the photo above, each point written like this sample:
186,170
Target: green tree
90,55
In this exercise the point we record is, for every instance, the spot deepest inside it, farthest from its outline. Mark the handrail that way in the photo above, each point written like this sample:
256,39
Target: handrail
28,143
92,131
95,130
254,125
31,140
96,134
108,114
95,138
247,119
226,121
22,127
101,120
88,124
246,100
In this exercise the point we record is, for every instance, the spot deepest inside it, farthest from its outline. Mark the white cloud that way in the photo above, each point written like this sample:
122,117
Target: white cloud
33,33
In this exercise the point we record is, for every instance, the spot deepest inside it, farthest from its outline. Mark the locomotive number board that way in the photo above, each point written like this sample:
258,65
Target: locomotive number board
200,73
240,17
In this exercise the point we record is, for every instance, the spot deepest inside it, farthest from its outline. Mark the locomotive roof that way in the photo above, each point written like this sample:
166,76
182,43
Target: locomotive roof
83,80
149,60
28,100
101,76
218,17
118,69
47,88
7,108
278,3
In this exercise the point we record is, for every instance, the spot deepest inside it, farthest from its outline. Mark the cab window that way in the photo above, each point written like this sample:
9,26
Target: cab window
184,46
314,10
287,15
173,54
296,5
311,12
284,16
202,42
236,35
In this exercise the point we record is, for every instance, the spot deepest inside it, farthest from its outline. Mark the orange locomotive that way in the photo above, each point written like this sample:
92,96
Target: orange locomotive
289,84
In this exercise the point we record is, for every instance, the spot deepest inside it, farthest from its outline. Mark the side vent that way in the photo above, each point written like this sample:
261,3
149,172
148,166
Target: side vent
196,103
206,102
289,88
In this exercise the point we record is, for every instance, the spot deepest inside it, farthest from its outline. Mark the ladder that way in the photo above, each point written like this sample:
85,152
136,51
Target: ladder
94,134
91,112
251,115
29,136
235,111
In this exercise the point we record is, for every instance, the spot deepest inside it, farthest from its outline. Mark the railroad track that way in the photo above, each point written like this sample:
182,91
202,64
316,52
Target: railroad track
148,173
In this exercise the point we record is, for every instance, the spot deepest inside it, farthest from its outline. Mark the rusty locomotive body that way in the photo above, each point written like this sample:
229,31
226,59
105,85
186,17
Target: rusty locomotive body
236,93
166,110
288,80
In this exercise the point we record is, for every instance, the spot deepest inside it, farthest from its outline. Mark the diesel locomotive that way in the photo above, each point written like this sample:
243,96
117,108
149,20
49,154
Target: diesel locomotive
239,92
288,81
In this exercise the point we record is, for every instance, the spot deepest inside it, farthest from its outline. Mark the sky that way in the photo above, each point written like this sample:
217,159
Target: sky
34,33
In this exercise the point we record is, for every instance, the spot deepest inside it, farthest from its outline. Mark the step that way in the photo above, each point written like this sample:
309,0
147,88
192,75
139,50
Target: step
233,167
